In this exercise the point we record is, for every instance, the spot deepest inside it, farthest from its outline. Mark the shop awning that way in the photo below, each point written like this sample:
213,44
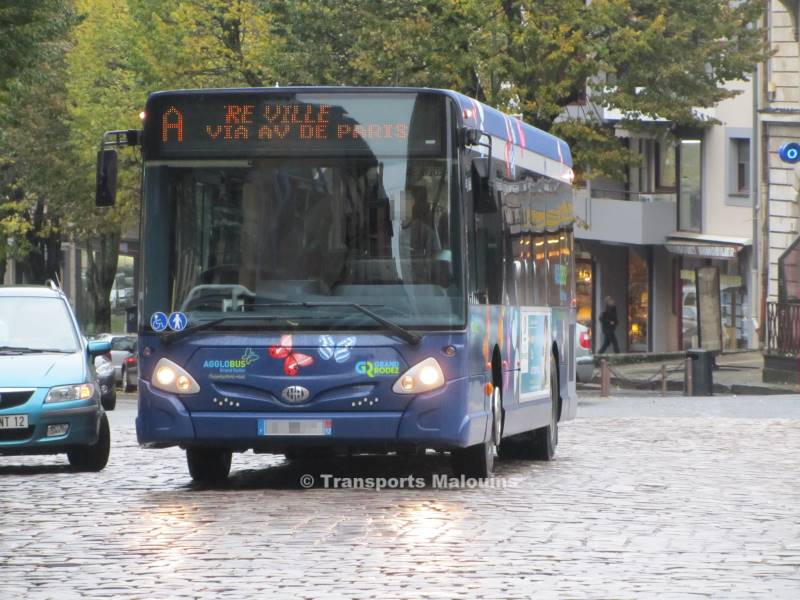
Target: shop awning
705,245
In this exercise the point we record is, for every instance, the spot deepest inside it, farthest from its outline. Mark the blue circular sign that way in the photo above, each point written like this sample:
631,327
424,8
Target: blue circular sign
790,152
158,321
177,321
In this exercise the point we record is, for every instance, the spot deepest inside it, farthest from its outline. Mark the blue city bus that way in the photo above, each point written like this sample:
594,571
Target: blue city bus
348,270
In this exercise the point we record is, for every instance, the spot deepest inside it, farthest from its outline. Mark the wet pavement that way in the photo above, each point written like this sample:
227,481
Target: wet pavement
667,497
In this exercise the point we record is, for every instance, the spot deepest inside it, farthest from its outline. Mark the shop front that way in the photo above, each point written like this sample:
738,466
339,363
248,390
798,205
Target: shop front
729,259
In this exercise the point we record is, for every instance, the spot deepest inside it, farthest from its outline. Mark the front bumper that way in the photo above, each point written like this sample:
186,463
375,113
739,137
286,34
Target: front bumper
81,416
442,419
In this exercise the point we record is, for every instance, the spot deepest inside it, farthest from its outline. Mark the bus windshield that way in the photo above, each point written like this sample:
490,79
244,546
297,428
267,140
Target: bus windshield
259,236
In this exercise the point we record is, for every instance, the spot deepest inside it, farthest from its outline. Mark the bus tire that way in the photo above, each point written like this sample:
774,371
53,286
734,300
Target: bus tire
545,439
473,462
477,462
209,465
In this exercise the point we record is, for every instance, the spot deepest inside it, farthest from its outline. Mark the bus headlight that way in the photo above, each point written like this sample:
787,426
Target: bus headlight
425,376
169,377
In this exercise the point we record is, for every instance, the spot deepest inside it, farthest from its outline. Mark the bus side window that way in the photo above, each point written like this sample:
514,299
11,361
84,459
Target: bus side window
487,258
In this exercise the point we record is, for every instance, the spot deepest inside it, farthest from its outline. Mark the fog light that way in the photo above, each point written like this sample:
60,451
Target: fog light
407,383
59,429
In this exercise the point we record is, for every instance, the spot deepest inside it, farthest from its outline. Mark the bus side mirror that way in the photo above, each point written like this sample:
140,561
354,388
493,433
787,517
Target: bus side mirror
106,179
482,198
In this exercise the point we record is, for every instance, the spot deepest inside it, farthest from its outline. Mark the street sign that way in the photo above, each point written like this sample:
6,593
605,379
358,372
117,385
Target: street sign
158,321
790,152
177,321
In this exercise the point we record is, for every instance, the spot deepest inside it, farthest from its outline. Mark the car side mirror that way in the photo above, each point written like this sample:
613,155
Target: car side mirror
483,200
97,347
106,179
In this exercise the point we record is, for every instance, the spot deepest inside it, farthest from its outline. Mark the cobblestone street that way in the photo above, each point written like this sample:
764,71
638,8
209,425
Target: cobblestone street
698,499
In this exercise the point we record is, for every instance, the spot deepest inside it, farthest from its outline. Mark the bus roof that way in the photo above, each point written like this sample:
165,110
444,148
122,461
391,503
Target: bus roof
473,114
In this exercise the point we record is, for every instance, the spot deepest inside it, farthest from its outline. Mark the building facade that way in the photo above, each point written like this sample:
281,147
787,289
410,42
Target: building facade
687,204
778,120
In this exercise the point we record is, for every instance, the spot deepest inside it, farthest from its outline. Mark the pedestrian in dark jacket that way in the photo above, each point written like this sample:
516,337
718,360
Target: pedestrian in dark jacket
608,320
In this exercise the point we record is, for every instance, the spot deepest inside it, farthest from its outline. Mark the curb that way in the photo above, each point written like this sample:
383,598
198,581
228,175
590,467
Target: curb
718,388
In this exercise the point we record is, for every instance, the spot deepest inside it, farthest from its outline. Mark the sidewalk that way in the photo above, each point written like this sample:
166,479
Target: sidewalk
737,373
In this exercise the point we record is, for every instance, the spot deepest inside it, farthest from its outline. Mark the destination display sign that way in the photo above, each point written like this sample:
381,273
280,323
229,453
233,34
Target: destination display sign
256,124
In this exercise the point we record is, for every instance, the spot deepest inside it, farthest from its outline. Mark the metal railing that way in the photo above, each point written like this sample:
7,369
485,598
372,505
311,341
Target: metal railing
633,196
783,328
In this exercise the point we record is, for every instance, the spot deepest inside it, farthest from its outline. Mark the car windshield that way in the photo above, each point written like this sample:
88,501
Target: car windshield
36,324
123,344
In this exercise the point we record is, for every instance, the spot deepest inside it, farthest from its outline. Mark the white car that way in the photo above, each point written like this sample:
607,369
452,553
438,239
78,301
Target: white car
584,360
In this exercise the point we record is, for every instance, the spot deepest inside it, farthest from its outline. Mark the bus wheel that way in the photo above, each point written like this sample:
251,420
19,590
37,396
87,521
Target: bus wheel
545,439
474,462
497,416
208,465
477,462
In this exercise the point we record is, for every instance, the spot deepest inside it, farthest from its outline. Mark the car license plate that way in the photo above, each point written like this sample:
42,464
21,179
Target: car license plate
295,427
13,421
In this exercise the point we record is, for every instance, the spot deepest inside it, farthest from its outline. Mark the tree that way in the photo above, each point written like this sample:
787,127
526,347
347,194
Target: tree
23,27
655,58
32,136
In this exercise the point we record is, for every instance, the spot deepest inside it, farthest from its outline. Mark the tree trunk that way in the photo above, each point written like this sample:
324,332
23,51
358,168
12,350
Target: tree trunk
100,273
43,262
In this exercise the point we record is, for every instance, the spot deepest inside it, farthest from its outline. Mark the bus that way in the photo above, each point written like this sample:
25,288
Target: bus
350,270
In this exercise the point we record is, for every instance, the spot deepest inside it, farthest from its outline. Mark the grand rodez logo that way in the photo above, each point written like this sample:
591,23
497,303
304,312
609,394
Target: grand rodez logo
378,367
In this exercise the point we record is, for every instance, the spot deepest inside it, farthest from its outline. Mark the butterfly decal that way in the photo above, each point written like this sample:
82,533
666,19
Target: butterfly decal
292,361
338,351
249,356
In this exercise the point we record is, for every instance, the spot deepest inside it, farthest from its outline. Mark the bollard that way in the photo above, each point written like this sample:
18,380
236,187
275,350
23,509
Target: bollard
688,387
663,380
604,378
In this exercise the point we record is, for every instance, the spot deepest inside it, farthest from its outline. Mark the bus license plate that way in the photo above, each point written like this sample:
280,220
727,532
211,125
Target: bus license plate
13,421
294,427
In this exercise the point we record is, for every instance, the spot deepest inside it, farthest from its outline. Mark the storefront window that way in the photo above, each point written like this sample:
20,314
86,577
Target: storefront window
583,291
690,193
732,305
638,300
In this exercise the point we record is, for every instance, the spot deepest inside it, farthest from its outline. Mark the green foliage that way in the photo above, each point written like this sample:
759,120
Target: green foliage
72,69
24,27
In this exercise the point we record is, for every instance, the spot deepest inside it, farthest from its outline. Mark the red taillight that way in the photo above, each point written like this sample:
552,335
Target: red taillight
130,360
585,340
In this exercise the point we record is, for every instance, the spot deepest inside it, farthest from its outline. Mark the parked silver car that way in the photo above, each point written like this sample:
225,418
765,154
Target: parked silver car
124,359
584,360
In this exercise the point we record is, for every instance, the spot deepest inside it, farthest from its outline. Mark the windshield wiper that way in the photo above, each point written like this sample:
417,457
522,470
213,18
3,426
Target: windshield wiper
174,336
26,350
400,331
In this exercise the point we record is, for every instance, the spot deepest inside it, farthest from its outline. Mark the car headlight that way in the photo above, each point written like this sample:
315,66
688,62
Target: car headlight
67,393
425,376
169,377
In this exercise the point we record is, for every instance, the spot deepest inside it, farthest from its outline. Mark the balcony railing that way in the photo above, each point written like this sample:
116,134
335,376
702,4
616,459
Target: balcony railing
633,196
783,328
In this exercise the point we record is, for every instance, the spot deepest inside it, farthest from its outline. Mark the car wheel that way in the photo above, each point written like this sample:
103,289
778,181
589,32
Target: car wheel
209,465
110,401
95,456
545,439
126,381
